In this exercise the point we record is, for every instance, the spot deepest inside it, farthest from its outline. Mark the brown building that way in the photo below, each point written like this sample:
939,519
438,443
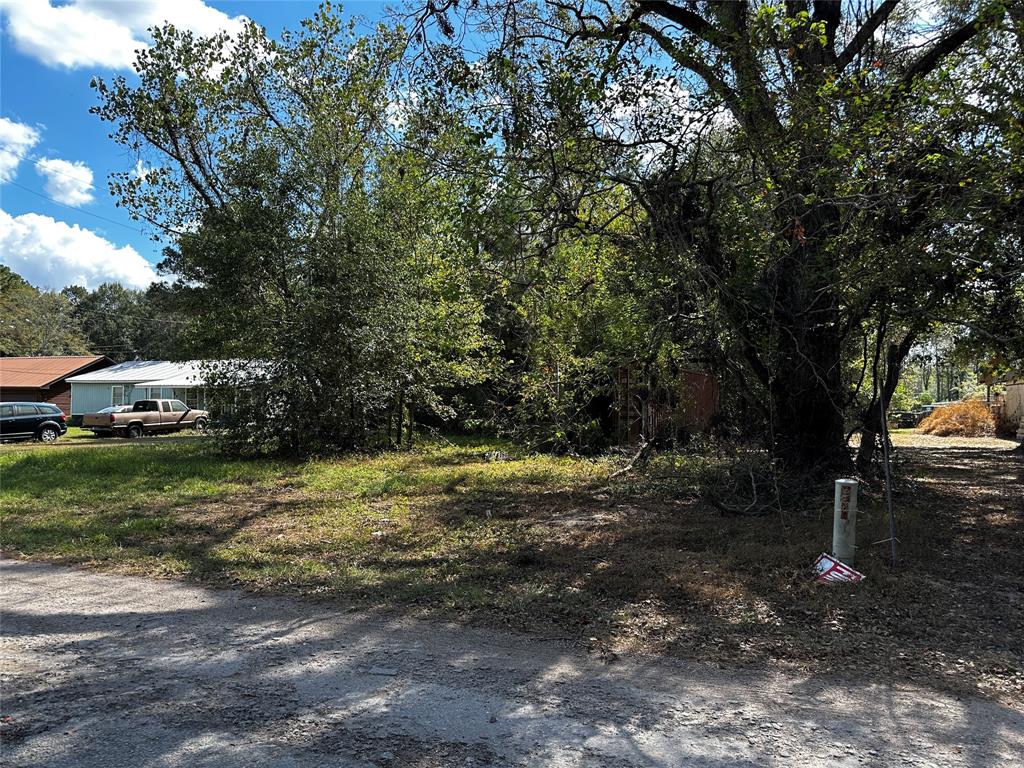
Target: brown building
43,379
687,403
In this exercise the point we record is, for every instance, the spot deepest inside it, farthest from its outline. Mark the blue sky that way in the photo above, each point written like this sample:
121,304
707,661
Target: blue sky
58,224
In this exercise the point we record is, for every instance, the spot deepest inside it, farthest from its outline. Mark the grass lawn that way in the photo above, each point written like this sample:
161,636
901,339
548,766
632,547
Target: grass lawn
549,545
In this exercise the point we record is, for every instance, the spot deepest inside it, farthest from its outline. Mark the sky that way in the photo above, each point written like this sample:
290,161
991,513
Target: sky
59,225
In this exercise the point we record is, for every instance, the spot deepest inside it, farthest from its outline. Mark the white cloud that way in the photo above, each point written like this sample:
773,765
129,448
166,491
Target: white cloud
141,171
52,254
16,139
105,33
68,183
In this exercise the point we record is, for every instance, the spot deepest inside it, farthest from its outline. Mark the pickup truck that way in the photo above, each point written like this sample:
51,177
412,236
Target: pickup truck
147,417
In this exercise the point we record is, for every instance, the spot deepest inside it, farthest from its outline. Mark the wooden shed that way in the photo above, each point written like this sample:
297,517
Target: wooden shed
686,403
44,379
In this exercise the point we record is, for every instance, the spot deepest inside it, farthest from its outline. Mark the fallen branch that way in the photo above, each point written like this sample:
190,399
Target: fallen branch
753,509
638,461
748,511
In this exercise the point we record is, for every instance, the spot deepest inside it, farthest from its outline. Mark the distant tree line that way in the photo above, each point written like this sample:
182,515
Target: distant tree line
111,320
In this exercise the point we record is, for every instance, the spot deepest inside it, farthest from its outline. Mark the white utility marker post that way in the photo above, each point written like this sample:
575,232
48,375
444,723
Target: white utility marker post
844,524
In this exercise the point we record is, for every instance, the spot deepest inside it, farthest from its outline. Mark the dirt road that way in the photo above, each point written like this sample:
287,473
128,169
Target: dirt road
104,670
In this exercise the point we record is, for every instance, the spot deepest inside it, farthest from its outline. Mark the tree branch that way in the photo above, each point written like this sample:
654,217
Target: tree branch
687,19
952,42
702,70
865,33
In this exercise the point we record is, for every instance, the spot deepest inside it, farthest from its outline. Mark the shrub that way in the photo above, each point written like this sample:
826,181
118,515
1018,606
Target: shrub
970,418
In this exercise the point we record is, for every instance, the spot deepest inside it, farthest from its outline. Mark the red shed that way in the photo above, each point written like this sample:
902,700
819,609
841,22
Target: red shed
42,379
686,402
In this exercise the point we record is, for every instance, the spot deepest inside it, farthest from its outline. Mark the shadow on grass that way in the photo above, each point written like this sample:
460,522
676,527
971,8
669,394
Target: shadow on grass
501,544
673,576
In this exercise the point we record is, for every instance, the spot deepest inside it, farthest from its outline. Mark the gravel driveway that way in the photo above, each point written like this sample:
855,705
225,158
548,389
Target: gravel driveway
105,670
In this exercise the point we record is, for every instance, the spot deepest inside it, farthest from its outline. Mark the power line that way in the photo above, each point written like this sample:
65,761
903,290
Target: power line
28,159
147,318
79,210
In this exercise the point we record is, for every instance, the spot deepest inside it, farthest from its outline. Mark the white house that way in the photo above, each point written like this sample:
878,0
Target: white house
126,383
1014,405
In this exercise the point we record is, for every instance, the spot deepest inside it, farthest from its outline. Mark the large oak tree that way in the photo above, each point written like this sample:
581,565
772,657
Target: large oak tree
836,175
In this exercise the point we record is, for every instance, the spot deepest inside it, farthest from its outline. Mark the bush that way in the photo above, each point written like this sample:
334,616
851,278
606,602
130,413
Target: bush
970,418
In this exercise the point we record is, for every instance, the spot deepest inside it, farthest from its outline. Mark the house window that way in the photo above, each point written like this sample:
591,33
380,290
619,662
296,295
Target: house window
117,395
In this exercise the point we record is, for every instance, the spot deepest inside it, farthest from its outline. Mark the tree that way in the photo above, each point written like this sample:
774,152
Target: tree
319,255
34,322
111,317
830,186
127,324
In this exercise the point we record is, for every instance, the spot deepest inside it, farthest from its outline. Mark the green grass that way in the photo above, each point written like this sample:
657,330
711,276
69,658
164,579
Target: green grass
394,525
549,544
113,502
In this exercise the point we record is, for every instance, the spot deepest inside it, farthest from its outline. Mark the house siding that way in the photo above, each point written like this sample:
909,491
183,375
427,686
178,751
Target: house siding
1014,400
59,395
89,397
21,394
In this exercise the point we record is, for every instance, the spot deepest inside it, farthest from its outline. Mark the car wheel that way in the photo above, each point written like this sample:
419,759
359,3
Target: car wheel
49,434
134,431
200,425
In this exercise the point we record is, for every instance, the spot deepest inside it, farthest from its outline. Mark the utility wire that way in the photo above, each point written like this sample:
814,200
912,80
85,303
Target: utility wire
28,159
146,318
79,210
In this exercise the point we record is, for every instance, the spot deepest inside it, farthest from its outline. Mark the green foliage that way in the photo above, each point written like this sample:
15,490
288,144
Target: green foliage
822,191
785,194
902,399
127,324
322,257
34,322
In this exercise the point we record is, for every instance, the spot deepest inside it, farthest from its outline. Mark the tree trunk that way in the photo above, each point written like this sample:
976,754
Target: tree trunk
409,428
400,416
808,428
872,417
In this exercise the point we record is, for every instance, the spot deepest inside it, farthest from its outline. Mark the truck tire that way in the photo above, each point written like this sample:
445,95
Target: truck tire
135,431
200,425
49,434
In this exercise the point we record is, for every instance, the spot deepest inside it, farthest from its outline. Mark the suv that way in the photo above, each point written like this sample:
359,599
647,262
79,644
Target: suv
25,421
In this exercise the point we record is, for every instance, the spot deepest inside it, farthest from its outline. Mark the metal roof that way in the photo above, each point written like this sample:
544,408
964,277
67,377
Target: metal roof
40,372
139,371
191,380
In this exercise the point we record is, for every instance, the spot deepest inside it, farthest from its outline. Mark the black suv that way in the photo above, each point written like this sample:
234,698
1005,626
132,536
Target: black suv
24,421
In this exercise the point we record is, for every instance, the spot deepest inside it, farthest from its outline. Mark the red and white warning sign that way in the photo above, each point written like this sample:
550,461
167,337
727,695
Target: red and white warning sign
827,568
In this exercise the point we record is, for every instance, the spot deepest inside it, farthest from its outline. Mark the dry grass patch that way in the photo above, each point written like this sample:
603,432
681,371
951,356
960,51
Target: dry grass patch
970,418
